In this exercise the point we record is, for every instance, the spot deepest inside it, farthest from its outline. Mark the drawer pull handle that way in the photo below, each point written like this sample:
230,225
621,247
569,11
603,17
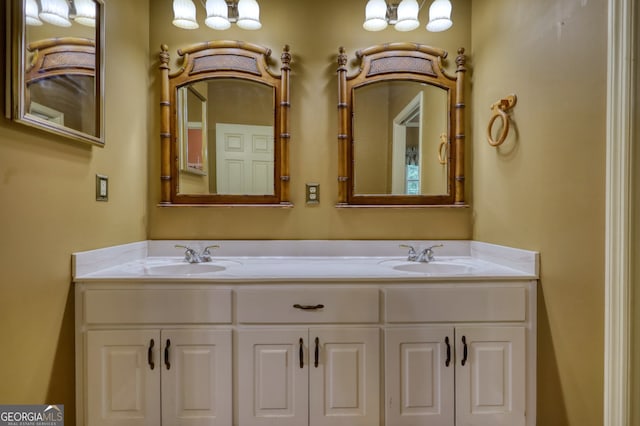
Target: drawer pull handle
308,307
464,351
301,353
448,361
152,364
166,354
317,353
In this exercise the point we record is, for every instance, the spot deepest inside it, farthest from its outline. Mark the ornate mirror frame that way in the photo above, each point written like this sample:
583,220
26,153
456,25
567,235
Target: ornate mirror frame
401,62
32,62
230,60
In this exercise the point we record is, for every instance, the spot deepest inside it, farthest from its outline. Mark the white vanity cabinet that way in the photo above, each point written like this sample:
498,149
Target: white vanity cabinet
305,340
317,375
146,359
456,354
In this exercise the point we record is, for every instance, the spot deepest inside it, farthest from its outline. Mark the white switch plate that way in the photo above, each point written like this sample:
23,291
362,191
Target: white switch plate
102,188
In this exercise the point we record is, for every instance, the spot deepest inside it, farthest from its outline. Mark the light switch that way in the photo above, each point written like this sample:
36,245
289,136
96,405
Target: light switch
313,193
102,188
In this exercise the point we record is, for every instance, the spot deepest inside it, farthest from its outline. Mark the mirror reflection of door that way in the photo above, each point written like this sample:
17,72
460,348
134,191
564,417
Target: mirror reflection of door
244,159
397,127
406,157
238,139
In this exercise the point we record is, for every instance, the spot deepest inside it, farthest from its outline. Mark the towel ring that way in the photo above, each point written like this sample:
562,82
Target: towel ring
442,156
498,110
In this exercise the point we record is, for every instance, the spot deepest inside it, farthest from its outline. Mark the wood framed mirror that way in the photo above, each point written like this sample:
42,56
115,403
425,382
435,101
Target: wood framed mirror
55,78
401,117
225,126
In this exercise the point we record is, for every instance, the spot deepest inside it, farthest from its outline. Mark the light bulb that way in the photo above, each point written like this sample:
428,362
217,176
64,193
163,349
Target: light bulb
439,16
184,14
85,12
375,15
249,15
55,12
407,16
31,13
217,15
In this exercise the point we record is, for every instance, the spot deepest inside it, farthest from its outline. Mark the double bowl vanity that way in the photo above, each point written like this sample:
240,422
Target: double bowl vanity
306,332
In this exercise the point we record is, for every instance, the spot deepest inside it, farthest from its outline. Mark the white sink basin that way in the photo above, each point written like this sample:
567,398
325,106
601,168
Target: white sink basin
432,268
183,269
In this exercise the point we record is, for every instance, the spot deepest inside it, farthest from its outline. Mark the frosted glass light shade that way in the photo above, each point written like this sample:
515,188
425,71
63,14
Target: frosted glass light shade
249,15
184,14
407,15
55,12
217,15
85,12
375,15
439,16
31,13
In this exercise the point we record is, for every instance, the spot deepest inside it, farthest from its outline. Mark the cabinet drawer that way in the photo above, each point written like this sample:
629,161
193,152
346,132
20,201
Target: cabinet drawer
341,305
178,306
458,304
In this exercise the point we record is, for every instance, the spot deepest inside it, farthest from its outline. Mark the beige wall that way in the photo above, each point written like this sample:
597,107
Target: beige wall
48,211
314,30
544,189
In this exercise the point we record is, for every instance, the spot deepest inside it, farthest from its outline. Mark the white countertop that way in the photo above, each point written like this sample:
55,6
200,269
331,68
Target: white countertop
304,260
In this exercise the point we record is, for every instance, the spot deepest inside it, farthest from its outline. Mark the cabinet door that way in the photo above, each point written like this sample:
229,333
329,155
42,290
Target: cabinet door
123,378
419,376
344,383
196,378
490,386
273,377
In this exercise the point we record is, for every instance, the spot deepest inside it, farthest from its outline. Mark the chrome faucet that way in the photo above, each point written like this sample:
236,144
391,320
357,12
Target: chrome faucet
426,255
412,255
192,256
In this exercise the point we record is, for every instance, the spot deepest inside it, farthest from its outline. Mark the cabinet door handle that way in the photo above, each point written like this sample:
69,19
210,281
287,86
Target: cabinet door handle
308,307
448,361
166,354
301,353
464,350
316,353
152,364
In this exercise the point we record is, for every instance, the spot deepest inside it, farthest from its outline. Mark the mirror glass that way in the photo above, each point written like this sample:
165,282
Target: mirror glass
226,137
57,71
400,138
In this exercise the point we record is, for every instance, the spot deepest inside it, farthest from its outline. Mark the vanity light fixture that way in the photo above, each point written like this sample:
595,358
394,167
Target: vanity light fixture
404,15
60,12
220,14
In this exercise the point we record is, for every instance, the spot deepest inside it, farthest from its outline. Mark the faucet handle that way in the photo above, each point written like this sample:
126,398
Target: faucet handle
412,255
190,254
206,249
427,253
206,253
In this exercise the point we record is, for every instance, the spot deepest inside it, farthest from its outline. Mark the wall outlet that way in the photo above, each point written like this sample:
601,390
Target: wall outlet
313,193
102,188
